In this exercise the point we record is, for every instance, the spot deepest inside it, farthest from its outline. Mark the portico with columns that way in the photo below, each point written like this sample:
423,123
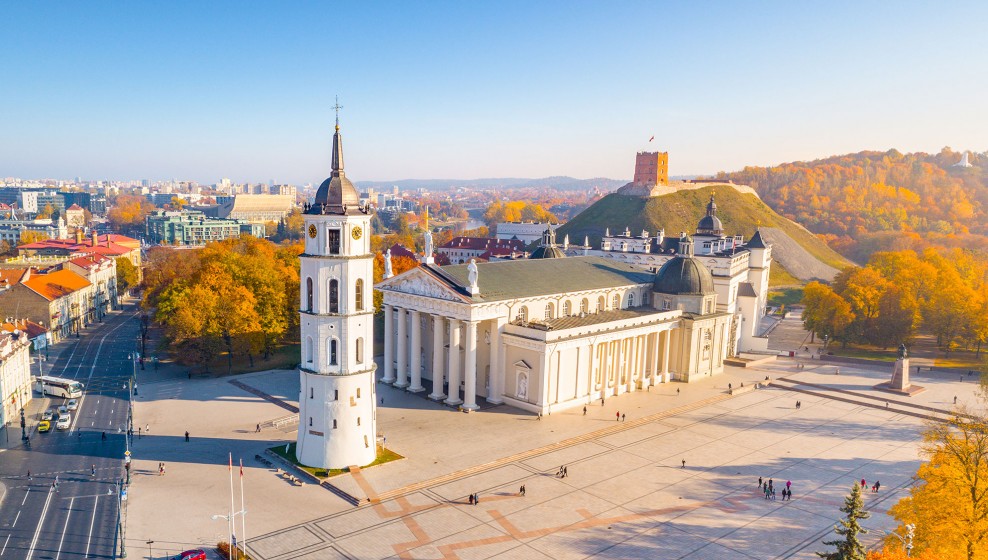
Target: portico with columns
540,335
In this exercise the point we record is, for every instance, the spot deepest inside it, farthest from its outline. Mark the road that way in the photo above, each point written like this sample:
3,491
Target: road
79,519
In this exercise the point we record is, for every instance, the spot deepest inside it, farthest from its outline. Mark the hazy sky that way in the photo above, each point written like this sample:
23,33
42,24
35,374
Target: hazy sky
205,90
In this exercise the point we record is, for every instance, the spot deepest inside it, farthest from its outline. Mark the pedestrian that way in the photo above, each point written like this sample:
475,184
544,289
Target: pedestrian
962,379
623,418
878,485
104,436
54,485
93,471
730,387
837,371
684,464
382,401
770,483
162,469
601,401
138,432
147,428
186,436
863,484
585,408
29,475
617,416
773,494
886,404
471,499
476,499
521,491
788,484
767,491
384,440
677,391
257,430
540,416
955,399
759,483
565,472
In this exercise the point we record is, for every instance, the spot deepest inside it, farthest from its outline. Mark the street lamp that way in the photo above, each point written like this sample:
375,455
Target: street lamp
907,543
231,521
149,543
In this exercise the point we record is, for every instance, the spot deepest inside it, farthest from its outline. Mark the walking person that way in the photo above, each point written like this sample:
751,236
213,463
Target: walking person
677,391
760,483
584,411
471,499
93,471
878,485
521,491
565,472
617,416
257,430
138,432
476,499
684,464
540,416
788,484
29,475
623,418
863,484
186,436
147,428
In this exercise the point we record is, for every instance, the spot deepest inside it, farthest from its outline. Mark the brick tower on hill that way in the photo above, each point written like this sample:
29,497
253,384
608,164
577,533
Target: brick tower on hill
652,168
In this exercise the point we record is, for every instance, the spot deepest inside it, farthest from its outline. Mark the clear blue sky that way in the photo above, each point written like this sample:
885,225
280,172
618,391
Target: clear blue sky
205,90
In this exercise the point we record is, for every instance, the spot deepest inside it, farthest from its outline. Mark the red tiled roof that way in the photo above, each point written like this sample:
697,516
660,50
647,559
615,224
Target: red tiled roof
56,284
11,275
74,207
398,250
32,329
90,260
498,246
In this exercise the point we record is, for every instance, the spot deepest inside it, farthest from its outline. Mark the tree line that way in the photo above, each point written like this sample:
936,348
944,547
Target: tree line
240,296
884,303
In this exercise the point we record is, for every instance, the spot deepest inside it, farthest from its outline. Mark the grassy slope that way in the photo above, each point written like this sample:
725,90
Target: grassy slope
680,211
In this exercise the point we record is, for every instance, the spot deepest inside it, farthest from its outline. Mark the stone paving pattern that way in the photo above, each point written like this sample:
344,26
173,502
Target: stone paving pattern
626,495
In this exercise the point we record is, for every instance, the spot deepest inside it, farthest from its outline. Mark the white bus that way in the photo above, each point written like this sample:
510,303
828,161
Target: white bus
57,386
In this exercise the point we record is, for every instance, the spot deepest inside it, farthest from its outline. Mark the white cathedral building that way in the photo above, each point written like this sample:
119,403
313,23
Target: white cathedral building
337,399
554,332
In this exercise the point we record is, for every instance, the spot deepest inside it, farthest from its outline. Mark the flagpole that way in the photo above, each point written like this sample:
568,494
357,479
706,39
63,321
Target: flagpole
243,509
233,548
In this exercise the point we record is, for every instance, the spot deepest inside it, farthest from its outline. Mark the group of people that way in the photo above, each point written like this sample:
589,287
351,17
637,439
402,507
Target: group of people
475,498
799,404
563,472
874,487
161,469
768,488
619,417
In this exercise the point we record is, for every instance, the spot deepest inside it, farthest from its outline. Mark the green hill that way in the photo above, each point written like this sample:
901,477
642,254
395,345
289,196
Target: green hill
680,211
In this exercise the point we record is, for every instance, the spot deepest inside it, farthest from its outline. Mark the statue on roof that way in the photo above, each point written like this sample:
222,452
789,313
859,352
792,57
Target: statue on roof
472,273
388,272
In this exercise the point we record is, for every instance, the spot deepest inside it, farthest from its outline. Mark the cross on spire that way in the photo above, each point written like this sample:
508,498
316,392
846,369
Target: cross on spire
337,107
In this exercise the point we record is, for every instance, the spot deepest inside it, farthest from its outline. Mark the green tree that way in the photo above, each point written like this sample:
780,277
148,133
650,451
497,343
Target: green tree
848,546
127,276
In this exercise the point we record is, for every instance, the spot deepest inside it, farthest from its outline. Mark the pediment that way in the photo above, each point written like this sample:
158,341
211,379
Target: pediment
522,364
420,283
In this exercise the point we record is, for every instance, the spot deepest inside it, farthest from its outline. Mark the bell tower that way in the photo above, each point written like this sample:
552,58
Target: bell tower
337,401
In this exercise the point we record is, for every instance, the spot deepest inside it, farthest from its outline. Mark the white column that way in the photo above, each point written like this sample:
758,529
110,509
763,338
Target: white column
389,345
438,340
590,374
497,364
454,363
402,347
666,346
470,371
416,351
654,366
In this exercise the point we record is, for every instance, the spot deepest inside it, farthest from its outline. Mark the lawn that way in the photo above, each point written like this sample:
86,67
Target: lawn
383,456
785,296
286,356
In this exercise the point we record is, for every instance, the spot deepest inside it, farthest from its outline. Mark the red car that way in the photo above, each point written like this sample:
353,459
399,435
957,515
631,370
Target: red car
197,554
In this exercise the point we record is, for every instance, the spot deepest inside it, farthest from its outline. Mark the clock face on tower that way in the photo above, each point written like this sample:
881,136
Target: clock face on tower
312,231
357,232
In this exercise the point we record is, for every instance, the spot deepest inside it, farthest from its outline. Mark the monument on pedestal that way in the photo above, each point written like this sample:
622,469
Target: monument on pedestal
900,377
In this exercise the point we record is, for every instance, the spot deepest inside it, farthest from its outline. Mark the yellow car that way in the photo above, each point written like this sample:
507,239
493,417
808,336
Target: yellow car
44,426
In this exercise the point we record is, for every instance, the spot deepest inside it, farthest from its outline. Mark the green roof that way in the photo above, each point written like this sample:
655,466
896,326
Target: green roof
525,278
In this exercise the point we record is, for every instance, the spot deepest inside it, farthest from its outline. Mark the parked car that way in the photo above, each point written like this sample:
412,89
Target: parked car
63,410
64,420
48,414
197,554
72,404
44,426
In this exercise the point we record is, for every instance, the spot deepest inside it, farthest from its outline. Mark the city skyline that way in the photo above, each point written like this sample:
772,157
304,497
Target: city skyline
449,91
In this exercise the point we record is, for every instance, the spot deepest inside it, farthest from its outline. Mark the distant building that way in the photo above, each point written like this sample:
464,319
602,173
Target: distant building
111,245
526,232
12,230
257,208
15,376
58,298
652,168
460,250
75,216
195,228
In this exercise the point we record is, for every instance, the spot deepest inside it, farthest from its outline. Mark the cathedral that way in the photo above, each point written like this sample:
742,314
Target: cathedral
555,331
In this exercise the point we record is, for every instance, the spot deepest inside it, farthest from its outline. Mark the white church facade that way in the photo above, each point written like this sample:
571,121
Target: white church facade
553,332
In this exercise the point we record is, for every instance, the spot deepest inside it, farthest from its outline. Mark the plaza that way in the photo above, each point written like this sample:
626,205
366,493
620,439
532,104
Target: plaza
627,494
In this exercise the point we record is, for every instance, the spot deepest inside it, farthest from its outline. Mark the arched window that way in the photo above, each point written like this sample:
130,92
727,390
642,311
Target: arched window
616,302
567,308
308,349
332,352
334,424
645,297
334,296
631,300
360,351
308,295
358,294
600,304
523,313
584,306
548,311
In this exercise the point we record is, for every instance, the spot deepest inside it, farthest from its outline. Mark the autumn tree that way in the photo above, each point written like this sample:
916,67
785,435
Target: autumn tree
127,276
826,314
129,212
398,265
848,545
516,211
949,504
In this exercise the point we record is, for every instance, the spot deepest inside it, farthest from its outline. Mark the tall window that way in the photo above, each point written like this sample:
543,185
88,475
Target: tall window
308,349
334,296
645,297
616,302
600,304
312,393
523,313
584,306
334,424
548,311
567,308
360,351
308,295
358,294
334,242
332,352
631,300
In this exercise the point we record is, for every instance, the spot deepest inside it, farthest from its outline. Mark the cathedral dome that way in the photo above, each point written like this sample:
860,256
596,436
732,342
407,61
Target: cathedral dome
710,224
683,275
547,252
